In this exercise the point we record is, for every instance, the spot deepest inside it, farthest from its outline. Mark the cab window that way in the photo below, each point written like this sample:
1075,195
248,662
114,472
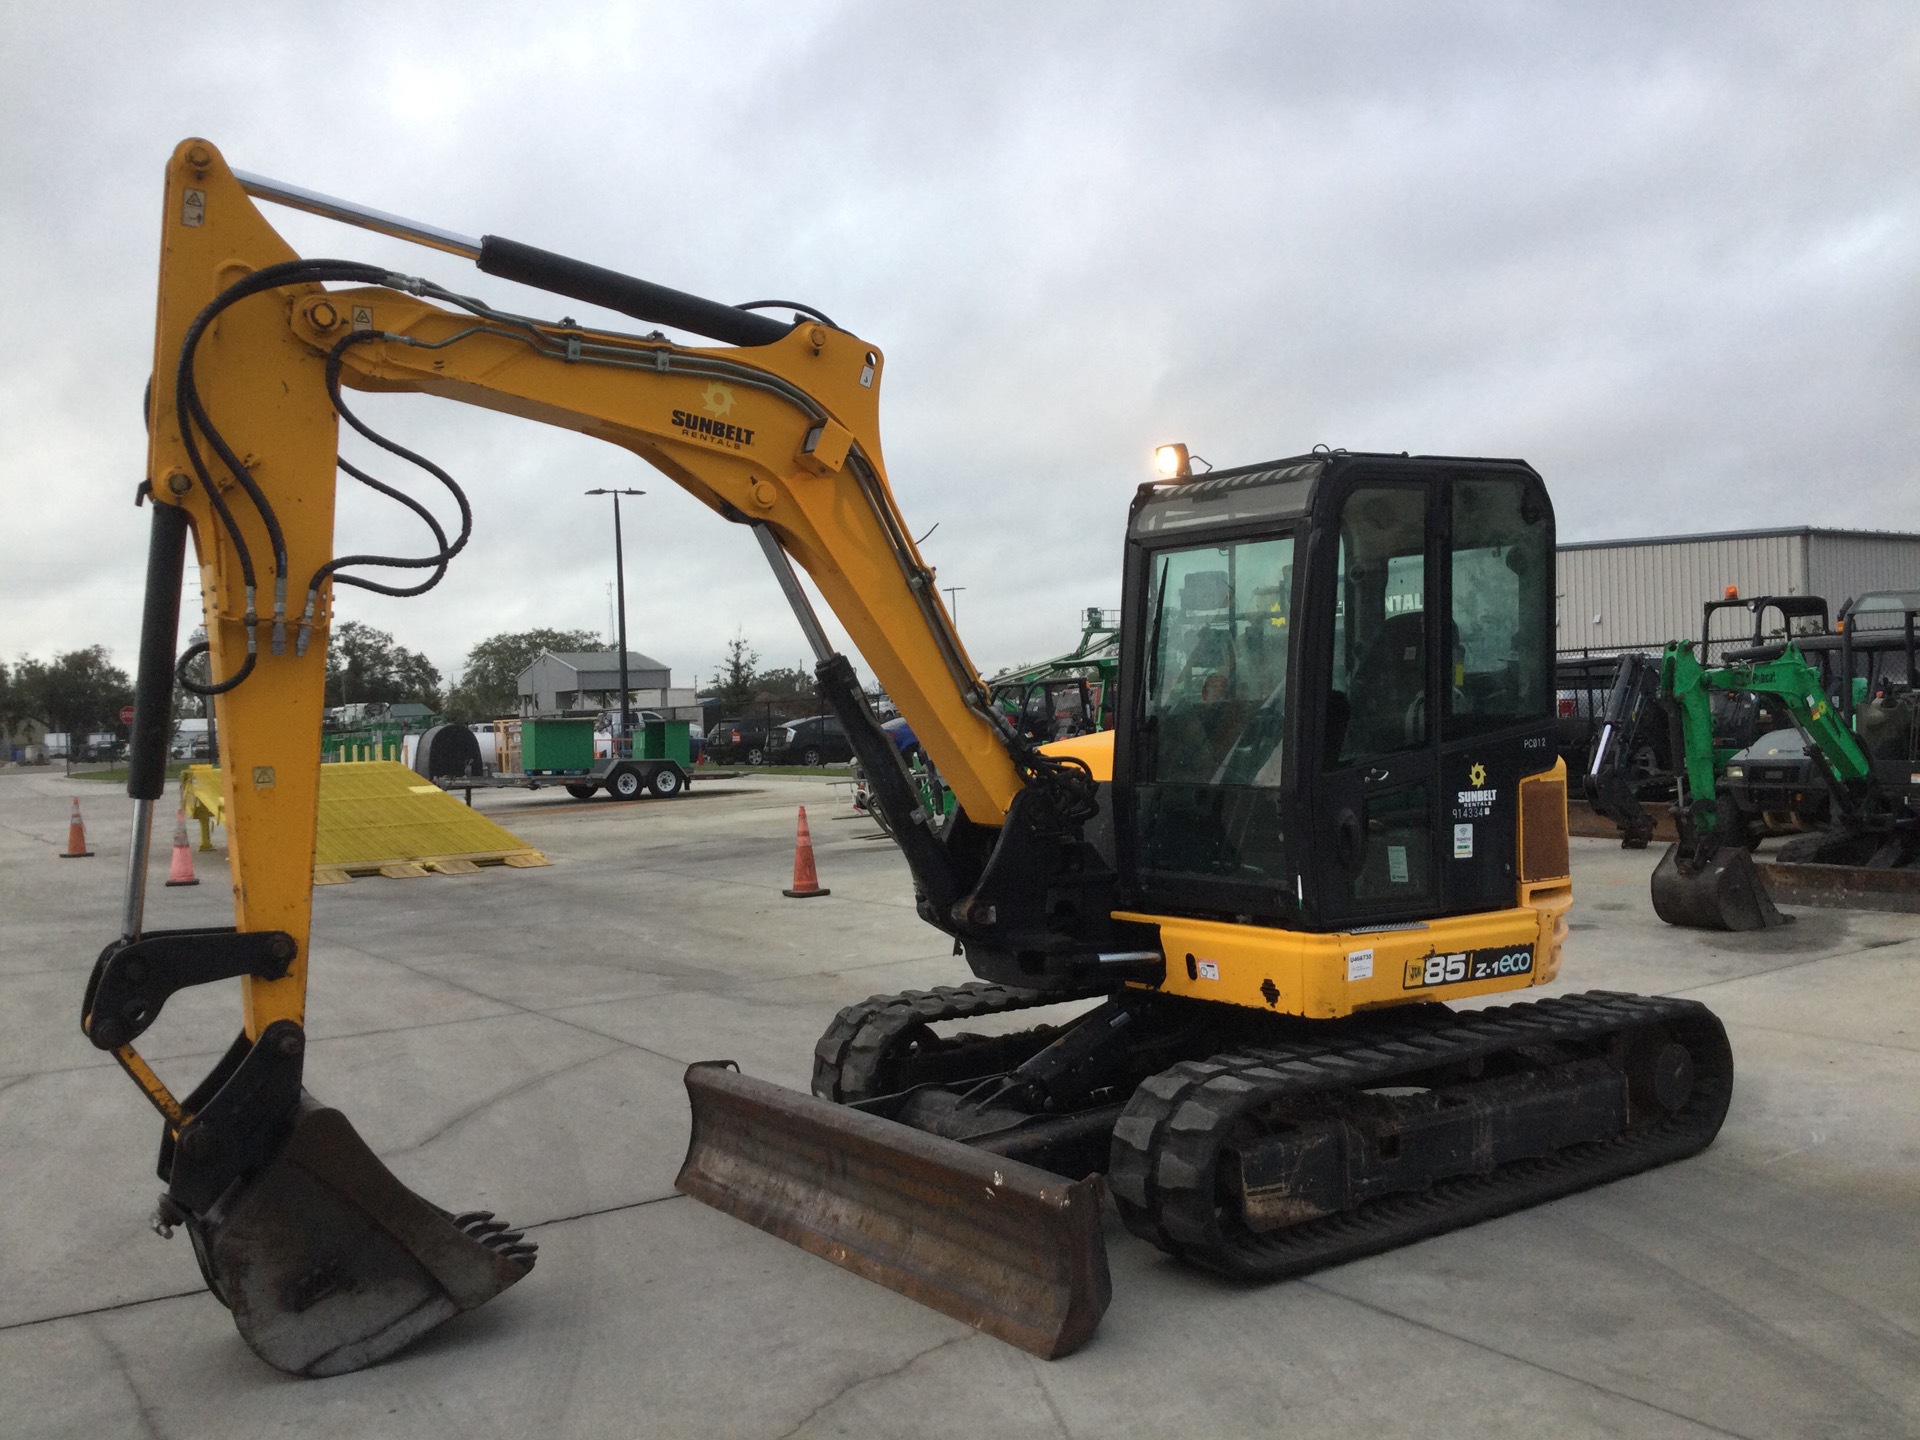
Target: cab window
1377,703
1217,681
1502,611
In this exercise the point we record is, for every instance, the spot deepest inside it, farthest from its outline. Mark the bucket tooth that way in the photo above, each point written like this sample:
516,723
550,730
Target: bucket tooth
1724,891
1006,1247
330,1264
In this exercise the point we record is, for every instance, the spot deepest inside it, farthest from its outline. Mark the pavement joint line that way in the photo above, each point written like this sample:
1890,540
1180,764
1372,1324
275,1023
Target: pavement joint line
1038,1374
528,1010
481,1106
1851,1040
1636,1247
855,1384
765,887
105,1062
509,1007
554,1013
744,986
1545,1369
603,1210
147,1422
1769,970
102,1309
1787,1278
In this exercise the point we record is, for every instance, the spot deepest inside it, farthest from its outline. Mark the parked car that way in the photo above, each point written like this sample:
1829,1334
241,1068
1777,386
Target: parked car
743,740
1775,780
817,740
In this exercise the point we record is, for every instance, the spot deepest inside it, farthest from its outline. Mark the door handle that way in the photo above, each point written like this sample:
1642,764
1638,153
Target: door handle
1350,839
1377,774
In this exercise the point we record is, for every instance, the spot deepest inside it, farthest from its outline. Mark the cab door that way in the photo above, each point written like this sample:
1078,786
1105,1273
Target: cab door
1376,800
1497,675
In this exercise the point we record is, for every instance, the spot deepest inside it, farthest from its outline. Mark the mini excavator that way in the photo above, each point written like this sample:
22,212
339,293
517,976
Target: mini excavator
1861,756
1331,808
1707,879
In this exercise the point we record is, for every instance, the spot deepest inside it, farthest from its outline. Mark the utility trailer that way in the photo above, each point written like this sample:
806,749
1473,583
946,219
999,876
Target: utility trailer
537,752
620,777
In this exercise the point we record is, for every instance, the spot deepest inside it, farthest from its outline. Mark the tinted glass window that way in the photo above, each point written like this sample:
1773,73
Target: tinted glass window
1502,577
1378,704
1215,703
1217,669
1284,492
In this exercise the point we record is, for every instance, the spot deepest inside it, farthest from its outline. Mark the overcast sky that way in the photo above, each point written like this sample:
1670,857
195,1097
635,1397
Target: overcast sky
1668,253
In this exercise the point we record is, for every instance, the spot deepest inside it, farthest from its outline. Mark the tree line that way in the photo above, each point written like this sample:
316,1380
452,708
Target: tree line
82,691
79,692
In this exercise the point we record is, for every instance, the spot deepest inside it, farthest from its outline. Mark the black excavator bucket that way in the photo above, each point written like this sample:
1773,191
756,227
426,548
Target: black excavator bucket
1721,891
1010,1249
330,1264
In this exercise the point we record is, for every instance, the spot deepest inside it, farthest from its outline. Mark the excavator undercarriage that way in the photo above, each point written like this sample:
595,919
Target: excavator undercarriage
1263,1146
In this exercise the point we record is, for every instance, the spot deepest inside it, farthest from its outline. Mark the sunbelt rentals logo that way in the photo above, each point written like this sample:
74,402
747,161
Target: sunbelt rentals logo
717,400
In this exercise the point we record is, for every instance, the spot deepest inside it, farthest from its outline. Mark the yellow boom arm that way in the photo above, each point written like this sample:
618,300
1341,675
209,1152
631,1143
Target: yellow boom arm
784,436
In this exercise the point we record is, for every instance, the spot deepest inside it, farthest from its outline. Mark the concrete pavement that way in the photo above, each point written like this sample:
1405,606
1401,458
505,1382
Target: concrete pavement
514,1040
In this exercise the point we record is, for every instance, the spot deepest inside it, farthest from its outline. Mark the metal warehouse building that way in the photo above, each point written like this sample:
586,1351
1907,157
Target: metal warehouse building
1639,594
577,682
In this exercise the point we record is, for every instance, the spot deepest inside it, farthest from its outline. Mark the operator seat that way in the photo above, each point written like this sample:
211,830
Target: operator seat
1389,678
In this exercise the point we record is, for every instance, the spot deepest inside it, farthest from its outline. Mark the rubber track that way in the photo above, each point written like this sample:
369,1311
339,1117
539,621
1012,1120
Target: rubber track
848,1057
1167,1143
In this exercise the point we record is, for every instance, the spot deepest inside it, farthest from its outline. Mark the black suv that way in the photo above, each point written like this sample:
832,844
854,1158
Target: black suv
733,742
813,741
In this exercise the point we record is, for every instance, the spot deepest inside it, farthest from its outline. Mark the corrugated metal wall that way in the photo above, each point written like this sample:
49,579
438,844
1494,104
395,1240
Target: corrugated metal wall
1842,567
1637,594
1640,594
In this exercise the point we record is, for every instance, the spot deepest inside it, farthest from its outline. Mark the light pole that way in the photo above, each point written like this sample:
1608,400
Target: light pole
620,588
953,600
199,637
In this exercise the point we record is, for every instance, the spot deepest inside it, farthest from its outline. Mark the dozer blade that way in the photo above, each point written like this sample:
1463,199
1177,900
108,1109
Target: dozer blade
1010,1249
1725,892
330,1264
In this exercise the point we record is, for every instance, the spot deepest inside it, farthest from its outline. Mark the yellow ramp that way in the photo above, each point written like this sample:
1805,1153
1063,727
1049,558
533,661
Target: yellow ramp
379,818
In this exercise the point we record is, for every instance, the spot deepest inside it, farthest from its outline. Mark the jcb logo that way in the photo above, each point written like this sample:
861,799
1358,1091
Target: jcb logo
1435,970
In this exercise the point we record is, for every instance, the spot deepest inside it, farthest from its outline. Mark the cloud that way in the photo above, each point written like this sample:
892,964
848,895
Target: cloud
1667,254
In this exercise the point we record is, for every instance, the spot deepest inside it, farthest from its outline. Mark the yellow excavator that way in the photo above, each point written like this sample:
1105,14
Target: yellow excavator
1330,807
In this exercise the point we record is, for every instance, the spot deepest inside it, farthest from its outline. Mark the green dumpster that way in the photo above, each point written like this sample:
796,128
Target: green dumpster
556,745
663,740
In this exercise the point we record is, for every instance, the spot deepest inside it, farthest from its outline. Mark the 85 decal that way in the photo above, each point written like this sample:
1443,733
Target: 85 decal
1498,963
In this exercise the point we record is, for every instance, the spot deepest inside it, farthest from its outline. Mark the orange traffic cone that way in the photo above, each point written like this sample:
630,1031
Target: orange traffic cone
76,835
806,883
182,872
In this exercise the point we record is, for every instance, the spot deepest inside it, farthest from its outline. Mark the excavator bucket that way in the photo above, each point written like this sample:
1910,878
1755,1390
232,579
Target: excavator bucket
330,1264
1010,1249
1723,891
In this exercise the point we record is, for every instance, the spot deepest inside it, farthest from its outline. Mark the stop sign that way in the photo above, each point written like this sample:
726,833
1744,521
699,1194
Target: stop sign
126,714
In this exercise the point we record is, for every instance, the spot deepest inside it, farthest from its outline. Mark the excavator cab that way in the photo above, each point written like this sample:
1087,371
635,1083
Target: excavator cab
1336,670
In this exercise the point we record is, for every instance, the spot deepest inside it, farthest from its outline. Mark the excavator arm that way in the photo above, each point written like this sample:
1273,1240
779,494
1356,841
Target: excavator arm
1707,879
326,1259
